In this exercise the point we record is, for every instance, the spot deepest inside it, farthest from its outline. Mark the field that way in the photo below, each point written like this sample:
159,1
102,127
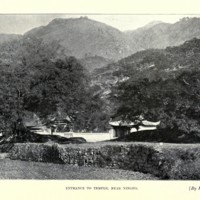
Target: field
15,169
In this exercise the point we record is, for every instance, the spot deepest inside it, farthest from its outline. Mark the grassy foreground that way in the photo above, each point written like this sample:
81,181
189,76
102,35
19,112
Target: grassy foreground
15,169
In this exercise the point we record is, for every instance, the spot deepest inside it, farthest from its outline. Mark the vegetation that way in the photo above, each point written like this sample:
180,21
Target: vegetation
162,85
36,80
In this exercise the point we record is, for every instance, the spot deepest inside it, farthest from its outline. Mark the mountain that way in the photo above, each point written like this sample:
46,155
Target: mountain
160,84
96,44
9,37
162,35
147,26
94,62
153,23
153,37
83,37
151,65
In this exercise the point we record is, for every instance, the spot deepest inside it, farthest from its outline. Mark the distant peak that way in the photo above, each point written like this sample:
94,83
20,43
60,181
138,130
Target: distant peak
59,20
64,20
153,23
149,25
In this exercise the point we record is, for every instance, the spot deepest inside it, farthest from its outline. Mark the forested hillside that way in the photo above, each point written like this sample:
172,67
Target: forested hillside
159,84
36,79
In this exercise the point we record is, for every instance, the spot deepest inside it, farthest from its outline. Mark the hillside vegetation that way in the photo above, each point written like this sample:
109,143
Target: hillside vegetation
162,34
8,37
160,84
37,79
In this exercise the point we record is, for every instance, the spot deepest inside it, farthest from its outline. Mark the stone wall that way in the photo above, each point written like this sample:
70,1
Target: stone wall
154,159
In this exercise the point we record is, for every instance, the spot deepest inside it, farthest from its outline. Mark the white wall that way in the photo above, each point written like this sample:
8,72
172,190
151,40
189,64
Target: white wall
89,137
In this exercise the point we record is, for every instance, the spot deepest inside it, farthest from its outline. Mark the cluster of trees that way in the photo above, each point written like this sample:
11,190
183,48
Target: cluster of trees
176,102
162,85
38,79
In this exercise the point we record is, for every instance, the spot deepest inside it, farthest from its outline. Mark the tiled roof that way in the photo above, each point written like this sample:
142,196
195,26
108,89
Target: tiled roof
129,124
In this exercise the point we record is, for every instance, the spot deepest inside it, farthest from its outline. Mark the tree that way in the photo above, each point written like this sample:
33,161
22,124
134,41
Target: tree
175,101
17,67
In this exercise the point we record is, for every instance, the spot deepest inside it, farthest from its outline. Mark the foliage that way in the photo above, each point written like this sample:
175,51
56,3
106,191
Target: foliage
38,79
162,85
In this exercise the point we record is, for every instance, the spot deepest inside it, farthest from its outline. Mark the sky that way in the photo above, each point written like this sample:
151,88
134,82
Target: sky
19,24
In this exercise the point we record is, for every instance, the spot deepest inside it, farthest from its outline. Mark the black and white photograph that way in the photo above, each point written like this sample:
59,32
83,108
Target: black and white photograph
100,97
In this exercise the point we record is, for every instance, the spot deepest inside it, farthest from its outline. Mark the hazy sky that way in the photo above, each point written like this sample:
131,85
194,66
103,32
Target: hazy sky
21,23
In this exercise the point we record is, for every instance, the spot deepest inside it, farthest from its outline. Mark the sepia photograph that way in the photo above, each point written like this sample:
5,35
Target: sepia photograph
100,96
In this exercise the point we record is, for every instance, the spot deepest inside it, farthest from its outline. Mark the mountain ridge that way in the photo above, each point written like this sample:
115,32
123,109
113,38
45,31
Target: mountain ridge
8,37
83,37
89,40
164,34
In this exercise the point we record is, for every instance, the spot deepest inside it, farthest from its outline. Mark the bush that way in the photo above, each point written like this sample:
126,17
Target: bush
185,170
36,152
